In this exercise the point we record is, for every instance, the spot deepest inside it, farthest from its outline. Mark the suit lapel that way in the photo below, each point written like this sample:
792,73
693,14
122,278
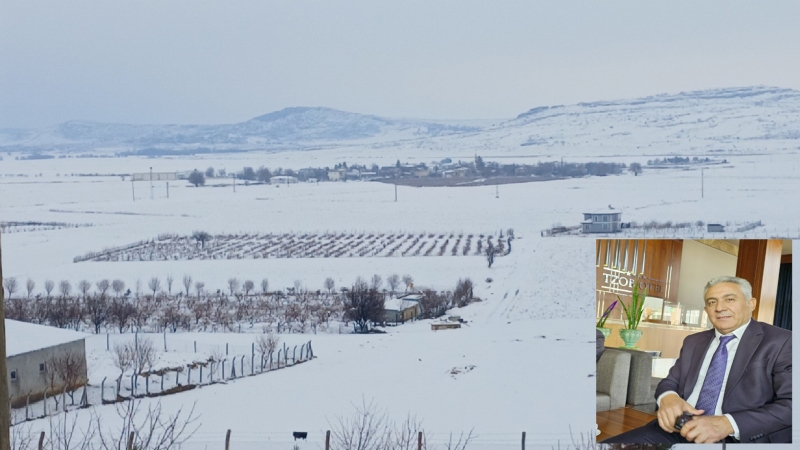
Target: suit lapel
697,360
751,339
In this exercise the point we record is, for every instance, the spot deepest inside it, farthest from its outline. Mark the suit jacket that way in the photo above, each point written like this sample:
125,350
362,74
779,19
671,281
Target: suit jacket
758,394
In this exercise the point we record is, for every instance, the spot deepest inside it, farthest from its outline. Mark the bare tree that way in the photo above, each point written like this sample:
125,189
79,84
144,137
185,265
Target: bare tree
233,285
22,438
97,311
264,286
364,306
84,286
151,429
170,279
329,284
118,286
120,314
368,429
70,369
11,285
394,281
30,285
462,294
102,287
197,178
65,435
248,286
202,237
49,285
267,343
154,284
187,283
408,281
65,288
198,287
135,356
375,282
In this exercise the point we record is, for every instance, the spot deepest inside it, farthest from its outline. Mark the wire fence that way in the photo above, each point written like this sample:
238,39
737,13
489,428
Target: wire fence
162,382
244,440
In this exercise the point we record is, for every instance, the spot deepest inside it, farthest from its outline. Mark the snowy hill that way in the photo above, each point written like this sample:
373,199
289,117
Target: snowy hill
287,128
725,121
717,121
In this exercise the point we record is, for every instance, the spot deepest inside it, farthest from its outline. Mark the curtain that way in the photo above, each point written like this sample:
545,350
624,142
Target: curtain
783,301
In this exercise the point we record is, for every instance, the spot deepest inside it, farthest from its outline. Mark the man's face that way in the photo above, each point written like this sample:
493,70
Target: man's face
727,308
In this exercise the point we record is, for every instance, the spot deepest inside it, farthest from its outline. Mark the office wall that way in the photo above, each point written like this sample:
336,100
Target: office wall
700,263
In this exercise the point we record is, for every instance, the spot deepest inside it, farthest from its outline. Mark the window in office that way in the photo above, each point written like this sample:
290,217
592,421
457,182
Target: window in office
41,367
13,375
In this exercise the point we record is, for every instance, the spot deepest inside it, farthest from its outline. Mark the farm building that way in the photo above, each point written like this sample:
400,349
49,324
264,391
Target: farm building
29,349
399,310
605,222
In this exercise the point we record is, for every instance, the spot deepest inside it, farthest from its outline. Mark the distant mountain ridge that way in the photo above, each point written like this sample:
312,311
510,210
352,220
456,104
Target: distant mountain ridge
293,126
713,121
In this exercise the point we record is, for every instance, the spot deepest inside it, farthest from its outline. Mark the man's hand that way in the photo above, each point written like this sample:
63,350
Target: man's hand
707,429
671,407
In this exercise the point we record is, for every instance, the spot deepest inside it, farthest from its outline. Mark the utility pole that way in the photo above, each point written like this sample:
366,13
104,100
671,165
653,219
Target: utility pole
133,190
5,411
233,176
151,183
496,191
167,189
702,183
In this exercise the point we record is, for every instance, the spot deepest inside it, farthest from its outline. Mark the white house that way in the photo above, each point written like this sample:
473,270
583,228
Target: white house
29,347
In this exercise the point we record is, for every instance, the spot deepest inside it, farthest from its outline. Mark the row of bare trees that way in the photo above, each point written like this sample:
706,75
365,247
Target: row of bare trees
294,310
156,286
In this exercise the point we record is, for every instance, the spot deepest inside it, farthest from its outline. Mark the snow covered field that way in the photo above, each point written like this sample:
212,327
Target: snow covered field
545,287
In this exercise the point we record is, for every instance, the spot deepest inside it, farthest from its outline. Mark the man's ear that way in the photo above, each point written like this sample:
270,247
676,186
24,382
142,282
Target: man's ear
752,304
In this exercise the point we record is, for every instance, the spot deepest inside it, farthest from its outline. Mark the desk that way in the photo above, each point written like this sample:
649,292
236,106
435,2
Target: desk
617,421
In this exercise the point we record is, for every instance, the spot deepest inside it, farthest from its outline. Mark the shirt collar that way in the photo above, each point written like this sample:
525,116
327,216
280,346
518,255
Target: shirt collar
737,332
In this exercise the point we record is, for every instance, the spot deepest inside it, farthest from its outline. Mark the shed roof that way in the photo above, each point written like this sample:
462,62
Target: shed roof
399,304
23,337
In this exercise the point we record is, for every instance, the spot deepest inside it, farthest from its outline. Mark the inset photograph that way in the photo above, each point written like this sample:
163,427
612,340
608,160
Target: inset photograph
694,341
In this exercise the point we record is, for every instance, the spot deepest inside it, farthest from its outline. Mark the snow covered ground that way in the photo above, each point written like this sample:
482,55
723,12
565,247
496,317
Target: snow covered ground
545,287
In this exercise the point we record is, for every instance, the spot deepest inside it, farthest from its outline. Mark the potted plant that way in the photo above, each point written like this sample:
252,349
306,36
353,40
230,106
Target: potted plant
633,315
601,324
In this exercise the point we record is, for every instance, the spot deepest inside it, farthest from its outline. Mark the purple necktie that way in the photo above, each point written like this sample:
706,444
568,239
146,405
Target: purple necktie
713,382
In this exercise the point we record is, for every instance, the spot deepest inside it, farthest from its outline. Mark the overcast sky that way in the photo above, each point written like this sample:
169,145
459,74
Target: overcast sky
228,61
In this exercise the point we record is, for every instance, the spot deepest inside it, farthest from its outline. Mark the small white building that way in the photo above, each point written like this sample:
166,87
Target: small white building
602,222
29,348
399,310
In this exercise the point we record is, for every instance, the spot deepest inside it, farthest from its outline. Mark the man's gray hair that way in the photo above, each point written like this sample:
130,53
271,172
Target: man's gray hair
744,285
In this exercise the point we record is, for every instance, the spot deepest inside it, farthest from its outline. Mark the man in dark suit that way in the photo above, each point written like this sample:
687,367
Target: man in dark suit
735,380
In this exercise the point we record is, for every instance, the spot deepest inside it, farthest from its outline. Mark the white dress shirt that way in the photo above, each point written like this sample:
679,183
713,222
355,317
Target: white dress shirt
733,344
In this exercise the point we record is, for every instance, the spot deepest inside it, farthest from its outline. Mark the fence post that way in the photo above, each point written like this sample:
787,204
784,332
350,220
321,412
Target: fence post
201,375
189,376
211,373
252,364
223,369
253,349
41,441
108,346
228,440
328,440
102,390
523,440
165,340
419,441
241,372
226,349
27,404
130,441
294,355
195,346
